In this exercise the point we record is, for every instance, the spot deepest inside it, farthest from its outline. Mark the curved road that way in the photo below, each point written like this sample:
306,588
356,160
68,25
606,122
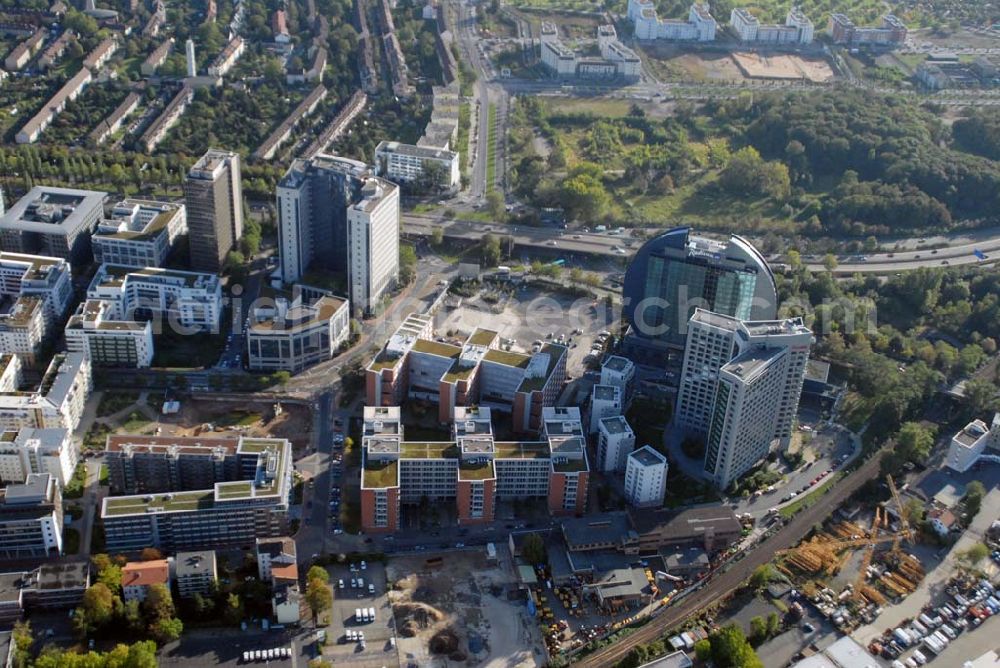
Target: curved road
556,240
724,583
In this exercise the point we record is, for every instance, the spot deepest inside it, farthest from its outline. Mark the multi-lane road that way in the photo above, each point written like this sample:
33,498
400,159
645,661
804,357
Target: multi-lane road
556,241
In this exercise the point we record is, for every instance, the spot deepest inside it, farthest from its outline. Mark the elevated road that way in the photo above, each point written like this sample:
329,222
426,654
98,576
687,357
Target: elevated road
724,583
622,245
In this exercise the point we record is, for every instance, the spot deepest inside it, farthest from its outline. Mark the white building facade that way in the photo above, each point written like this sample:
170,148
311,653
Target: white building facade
373,244
37,451
645,478
740,387
615,441
185,299
139,233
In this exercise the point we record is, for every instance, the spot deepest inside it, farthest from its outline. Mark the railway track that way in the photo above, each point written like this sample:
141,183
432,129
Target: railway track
725,583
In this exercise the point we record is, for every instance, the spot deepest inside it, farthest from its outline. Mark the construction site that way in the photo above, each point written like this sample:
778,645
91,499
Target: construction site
846,589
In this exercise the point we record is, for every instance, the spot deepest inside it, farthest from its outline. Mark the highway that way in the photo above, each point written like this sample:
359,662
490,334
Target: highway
571,241
724,583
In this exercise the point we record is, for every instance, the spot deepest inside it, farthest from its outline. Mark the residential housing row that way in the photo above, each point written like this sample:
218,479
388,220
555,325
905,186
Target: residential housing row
472,469
797,29
616,61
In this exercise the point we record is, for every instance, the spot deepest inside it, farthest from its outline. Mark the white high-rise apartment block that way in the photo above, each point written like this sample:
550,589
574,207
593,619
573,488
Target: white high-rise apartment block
185,298
798,29
969,445
58,401
406,163
140,233
47,278
605,402
620,372
740,387
700,25
37,451
334,214
615,440
108,340
645,478
373,244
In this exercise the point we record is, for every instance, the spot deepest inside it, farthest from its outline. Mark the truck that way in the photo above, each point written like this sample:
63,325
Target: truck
902,637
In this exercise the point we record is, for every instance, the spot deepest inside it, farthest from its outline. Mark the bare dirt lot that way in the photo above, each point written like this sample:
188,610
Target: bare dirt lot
248,418
782,66
669,63
458,613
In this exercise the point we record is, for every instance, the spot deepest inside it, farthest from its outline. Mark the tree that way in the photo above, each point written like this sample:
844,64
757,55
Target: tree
133,616
761,577
830,262
233,612
319,663
491,250
914,442
150,554
773,624
111,576
407,264
166,629
495,206
317,572
973,499
730,649
159,604
914,511
22,641
319,596
703,650
758,631
437,235
533,549
98,603
975,554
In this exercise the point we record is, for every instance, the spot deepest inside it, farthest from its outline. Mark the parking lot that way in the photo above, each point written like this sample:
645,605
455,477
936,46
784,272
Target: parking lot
529,316
378,648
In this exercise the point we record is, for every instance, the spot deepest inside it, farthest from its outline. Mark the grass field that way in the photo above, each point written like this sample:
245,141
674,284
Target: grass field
811,498
464,123
491,147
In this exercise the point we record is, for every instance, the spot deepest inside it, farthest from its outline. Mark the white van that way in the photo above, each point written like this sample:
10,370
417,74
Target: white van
358,617
371,614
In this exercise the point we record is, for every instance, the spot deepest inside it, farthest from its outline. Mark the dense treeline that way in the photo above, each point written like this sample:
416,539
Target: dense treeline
840,163
979,133
883,140
903,338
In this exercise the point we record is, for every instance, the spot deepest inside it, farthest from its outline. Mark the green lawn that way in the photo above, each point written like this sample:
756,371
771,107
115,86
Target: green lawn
113,401
74,488
136,422
491,147
809,499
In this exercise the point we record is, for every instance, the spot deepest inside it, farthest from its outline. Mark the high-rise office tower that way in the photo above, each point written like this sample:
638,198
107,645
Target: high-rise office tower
740,387
334,214
213,195
673,274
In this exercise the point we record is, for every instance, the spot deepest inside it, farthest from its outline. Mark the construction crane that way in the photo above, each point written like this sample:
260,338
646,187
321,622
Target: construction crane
904,524
861,590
